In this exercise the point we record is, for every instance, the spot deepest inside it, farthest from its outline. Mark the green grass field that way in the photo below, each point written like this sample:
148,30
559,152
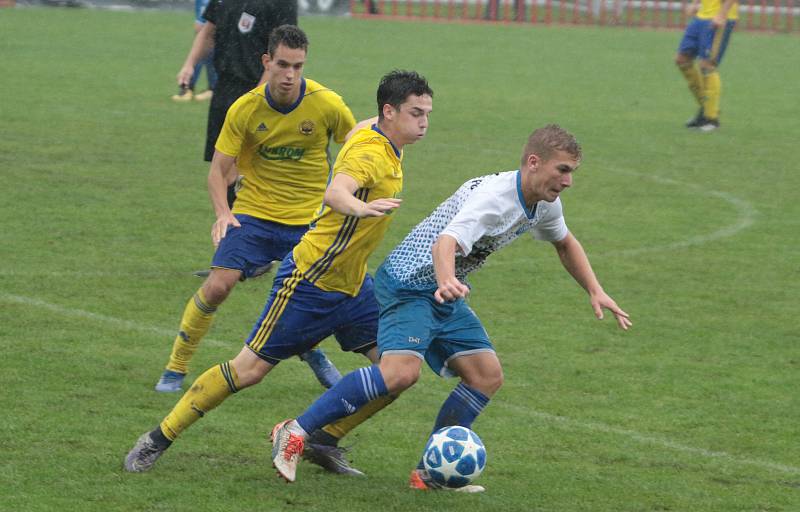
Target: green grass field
105,216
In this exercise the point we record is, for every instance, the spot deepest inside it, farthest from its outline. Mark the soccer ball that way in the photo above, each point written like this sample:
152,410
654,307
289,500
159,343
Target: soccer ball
454,456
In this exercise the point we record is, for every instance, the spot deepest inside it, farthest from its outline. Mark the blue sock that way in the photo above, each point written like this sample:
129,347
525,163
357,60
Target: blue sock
461,408
346,397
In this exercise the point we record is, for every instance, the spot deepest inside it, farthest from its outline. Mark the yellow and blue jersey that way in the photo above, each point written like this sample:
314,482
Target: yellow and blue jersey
333,254
283,152
710,8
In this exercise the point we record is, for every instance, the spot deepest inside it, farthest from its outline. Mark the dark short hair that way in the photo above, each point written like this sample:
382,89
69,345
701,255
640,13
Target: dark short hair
545,141
290,36
396,86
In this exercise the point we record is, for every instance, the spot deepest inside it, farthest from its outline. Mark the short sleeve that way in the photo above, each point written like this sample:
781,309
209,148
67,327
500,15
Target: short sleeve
231,137
211,12
480,213
552,227
362,163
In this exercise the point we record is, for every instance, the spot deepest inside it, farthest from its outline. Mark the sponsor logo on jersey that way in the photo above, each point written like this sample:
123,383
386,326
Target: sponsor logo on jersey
261,128
281,153
246,23
414,340
307,127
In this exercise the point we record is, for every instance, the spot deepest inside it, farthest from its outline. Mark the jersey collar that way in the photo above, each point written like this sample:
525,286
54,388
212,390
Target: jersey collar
528,213
396,151
285,110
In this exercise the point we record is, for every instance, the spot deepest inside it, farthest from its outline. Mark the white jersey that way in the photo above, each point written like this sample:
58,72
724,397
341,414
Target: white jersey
483,215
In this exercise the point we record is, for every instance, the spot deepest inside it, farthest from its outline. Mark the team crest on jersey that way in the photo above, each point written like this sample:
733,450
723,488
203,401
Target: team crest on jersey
307,127
246,22
261,128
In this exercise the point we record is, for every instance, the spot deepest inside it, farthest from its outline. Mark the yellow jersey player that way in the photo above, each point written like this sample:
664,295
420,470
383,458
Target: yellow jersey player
278,136
322,287
705,40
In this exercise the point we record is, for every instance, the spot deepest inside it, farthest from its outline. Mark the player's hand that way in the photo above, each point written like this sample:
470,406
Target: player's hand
185,76
380,207
718,20
449,290
220,227
691,9
603,301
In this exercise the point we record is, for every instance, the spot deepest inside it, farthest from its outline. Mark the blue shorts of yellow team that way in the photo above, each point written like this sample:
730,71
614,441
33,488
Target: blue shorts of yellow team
703,40
413,322
255,244
298,316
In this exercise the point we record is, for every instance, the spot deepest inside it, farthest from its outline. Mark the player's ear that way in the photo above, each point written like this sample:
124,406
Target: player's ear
388,111
265,60
533,161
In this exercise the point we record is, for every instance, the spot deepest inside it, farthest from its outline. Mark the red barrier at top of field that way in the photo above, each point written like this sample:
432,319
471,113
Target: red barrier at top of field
754,15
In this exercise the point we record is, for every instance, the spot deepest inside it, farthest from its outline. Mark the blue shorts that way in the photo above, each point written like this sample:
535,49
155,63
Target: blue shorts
298,316
199,10
255,244
412,322
701,39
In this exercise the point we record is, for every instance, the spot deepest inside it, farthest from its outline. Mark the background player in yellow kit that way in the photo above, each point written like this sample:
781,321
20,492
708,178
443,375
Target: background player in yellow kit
704,42
278,136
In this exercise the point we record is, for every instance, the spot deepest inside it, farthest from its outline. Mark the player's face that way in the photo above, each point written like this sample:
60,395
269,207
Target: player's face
285,71
410,120
550,177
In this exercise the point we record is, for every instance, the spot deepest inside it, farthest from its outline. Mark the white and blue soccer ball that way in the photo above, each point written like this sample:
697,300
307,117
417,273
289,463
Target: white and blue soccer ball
454,456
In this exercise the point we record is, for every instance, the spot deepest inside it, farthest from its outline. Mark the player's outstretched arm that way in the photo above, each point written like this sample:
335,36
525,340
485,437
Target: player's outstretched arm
444,265
574,259
201,46
223,171
339,196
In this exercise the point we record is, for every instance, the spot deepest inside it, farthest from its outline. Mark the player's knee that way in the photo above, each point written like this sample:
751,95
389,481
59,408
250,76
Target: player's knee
707,66
217,289
487,382
398,380
682,60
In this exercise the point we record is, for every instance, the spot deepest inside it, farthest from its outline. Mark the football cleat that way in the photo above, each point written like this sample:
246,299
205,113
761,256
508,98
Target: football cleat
709,125
185,94
170,382
696,121
204,96
330,458
286,449
144,454
323,368
420,480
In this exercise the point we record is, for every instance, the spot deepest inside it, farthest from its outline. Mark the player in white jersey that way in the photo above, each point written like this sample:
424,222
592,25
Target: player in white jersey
421,287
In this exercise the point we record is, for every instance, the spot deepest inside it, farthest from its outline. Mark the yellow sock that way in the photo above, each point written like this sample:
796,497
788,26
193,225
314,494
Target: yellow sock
339,429
207,392
695,79
197,317
712,93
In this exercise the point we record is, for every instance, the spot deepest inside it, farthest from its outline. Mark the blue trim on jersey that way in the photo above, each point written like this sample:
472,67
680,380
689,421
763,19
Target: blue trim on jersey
528,213
285,110
396,151
343,237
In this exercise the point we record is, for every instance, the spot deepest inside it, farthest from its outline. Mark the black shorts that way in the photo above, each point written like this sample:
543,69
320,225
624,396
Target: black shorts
226,92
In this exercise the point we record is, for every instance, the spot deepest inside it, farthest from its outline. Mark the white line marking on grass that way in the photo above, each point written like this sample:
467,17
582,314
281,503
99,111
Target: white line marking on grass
560,420
645,439
747,217
97,317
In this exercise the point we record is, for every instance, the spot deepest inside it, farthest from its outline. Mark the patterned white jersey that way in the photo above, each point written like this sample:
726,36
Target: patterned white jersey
483,215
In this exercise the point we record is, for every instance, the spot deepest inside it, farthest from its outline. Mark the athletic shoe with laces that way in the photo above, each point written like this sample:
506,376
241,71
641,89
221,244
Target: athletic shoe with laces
323,368
170,382
286,449
696,121
421,480
330,458
144,454
709,125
